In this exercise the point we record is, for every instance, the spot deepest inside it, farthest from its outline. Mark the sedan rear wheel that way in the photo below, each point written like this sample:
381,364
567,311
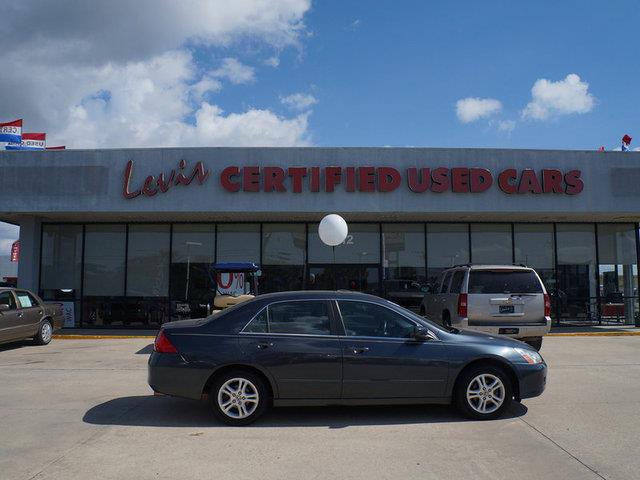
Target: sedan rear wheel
484,393
45,333
239,398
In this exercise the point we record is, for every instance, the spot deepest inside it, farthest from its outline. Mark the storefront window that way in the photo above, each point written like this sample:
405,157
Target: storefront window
283,257
576,292
238,243
192,254
404,263
534,247
61,262
447,245
618,272
362,245
491,243
148,261
61,268
104,267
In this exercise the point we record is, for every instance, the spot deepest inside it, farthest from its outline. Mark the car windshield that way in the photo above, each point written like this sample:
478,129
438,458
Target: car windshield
504,281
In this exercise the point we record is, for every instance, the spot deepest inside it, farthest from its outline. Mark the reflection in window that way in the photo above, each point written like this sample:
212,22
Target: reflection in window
362,245
148,261
491,244
618,271
576,292
104,260
447,245
61,262
239,243
370,320
192,254
534,247
283,257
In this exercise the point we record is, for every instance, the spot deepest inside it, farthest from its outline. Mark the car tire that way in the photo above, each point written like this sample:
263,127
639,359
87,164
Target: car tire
535,343
239,397
483,393
45,333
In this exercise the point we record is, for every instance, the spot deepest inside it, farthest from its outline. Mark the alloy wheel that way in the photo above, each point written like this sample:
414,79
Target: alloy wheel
238,398
485,393
46,332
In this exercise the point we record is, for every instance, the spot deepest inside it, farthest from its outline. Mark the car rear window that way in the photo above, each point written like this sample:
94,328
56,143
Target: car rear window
504,281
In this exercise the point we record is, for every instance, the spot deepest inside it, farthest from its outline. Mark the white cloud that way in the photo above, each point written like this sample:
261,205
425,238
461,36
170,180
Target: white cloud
97,78
272,61
299,101
563,97
235,71
471,109
506,125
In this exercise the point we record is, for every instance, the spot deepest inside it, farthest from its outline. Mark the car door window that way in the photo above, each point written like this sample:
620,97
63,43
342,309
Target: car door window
26,300
457,281
300,317
258,324
445,283
363,319
7,299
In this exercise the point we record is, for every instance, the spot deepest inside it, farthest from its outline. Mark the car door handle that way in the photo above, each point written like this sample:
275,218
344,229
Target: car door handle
359,350
264,345
19,314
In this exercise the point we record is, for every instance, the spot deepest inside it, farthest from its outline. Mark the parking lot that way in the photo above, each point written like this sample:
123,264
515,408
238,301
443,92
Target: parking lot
82,409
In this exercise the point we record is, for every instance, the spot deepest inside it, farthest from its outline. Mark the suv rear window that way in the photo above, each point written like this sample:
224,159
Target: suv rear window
504,281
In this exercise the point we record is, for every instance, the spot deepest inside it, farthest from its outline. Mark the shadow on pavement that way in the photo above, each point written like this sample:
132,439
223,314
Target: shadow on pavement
17,344
145,350
153,411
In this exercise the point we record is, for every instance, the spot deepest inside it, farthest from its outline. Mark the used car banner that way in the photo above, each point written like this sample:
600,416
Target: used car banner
30,141
11,132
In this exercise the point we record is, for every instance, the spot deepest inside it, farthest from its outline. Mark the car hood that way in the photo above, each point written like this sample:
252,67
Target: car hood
472,336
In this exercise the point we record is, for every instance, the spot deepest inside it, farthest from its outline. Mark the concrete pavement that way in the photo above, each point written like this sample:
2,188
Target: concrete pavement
82,409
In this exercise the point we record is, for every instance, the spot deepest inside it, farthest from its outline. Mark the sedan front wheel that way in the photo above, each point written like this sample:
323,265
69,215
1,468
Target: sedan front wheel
484,393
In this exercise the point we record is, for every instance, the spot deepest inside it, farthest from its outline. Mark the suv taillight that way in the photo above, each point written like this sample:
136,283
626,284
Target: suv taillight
547,305
462,305
163,344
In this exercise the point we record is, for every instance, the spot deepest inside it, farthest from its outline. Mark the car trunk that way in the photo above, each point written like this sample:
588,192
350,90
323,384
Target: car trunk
505,297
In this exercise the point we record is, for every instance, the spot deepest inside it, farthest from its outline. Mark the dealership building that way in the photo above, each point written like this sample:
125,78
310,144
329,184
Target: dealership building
127,238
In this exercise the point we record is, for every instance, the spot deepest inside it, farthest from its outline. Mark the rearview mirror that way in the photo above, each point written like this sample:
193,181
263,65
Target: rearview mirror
3,307
421,333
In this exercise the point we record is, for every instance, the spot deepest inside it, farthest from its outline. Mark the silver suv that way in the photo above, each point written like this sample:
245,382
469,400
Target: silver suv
497,299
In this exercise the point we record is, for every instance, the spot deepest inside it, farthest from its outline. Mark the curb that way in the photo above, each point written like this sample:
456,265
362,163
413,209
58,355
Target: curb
594,334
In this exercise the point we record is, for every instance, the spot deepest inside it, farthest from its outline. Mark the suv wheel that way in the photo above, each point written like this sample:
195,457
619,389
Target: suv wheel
483,393
45,333
239,398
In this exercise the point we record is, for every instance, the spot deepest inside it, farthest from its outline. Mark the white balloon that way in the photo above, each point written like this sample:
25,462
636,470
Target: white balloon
333,230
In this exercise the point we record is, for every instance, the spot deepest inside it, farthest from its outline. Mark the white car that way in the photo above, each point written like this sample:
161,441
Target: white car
496,299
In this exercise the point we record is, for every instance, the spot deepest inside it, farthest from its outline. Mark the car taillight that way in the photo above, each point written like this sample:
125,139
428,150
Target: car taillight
547,305
163,344
462,305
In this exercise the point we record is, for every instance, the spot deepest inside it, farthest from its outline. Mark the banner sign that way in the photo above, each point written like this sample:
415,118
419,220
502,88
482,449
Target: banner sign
11,131
230,283
30,141
69,313
365,179
15,251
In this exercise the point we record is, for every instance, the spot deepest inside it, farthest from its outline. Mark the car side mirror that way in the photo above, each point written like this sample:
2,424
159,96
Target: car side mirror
422,334
4,306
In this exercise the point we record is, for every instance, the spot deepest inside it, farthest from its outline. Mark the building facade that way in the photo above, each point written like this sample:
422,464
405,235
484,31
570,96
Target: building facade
126,238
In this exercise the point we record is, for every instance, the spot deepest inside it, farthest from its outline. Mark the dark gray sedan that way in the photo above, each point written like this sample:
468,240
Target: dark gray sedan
24,315
330,348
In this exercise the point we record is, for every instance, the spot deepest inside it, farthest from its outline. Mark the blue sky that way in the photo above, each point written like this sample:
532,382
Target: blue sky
391,75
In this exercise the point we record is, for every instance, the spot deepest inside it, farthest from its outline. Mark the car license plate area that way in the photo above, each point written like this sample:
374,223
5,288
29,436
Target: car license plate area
506,309
508,331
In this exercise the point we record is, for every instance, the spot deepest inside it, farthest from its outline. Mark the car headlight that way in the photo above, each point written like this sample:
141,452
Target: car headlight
529,356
